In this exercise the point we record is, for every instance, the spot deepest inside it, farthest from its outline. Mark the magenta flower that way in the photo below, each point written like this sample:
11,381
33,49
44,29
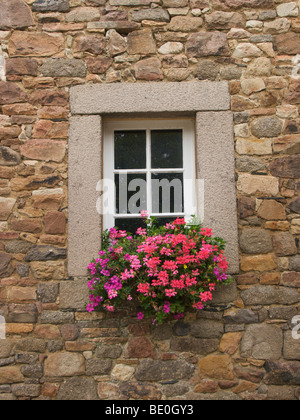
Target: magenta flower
140,315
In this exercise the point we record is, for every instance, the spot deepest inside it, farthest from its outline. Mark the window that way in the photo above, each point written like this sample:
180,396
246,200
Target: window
205,103
149,165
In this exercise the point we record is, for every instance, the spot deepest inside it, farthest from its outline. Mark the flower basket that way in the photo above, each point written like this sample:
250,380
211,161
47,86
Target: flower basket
168,270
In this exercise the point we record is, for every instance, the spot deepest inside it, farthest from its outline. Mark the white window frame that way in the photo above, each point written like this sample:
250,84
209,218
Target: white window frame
188,170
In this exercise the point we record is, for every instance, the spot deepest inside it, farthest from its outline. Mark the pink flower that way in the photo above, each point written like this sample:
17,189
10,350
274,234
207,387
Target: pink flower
140,315
144,213
170,292
143,288
90,307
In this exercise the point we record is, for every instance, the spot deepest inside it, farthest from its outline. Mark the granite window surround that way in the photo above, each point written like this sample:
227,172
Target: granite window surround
209,104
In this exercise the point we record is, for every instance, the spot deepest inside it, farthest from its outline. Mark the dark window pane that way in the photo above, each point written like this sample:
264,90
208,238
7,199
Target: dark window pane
166,149
131,225
130,149
131,193
167,193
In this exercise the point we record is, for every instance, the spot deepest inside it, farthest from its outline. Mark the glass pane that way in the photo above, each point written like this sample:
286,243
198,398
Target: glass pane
131,225
167,193
131,193
130,149
166,149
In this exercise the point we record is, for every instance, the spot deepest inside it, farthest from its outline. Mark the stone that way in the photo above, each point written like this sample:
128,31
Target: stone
35,44
83,14
260,263
206,328
203,44
17,247
141,42
185,24
282,373
156,15
230,342
249,164
177,75
277,26
272,210
22,270
48,97
98,65
286,167
255,241
10,375
51,6
64,364
148,69
287,9
46,150
45,129
171,48
55,222
6,268
207,70
290,279
224,20
262,342
11,93
288,43
246,207
21,66
73,295
47,293
48,201
94,44
240,316
98,367
6,207
268,295
45,253
216,367
122,26
140,391
195,345
291,347
250,86
284,244
163,370
252,146
139,347
260,67
295,263
295,227
108,390
116,43
63,67
122,373
237,4
26,225
78,388
266,127
246,50
175,3
257,184
15,14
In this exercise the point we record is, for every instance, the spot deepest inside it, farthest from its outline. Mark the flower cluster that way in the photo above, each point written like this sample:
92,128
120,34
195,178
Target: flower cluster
165,270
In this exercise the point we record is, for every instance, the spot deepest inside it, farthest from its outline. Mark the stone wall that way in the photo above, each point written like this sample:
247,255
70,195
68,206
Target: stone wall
242,347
